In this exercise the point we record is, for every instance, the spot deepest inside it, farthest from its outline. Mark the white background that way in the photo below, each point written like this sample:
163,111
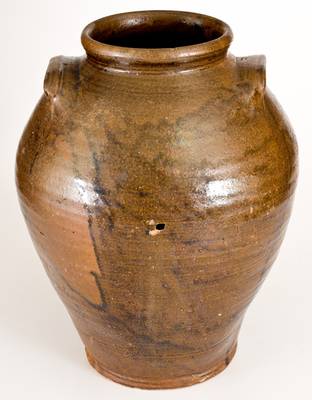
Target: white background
41,356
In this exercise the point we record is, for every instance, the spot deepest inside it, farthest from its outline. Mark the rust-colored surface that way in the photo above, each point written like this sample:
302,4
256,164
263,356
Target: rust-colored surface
156,176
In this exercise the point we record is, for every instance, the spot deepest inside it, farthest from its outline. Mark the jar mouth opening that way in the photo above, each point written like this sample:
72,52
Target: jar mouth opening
155,37
153,33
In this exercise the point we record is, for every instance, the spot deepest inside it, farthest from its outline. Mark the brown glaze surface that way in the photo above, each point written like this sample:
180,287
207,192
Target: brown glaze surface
156,176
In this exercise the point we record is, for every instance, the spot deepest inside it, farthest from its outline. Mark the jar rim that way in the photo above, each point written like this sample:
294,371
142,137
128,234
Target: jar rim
178,38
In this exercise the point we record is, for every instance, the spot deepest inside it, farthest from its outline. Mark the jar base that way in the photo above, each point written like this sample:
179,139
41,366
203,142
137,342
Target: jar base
180,381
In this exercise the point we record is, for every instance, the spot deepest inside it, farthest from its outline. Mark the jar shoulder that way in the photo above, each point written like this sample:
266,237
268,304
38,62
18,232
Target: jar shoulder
225,148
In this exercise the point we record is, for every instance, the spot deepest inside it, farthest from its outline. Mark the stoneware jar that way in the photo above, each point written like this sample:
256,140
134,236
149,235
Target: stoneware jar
156,176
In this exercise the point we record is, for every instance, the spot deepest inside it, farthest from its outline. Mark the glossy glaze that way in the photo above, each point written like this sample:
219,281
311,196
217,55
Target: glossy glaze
157,185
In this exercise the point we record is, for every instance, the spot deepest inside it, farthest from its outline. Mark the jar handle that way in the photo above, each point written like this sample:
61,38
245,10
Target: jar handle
252,70
54,76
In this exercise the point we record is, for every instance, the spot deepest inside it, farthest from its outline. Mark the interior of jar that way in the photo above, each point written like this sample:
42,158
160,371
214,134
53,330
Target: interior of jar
157,34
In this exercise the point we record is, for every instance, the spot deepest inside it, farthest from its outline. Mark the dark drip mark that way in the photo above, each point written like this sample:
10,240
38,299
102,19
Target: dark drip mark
33,162
67,285
112,137
110,223
97,187
94,242
100,190
97,168
121,326
96,216
74,70
101,290
146,339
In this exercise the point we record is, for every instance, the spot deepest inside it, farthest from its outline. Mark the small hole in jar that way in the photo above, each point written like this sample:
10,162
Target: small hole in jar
160,227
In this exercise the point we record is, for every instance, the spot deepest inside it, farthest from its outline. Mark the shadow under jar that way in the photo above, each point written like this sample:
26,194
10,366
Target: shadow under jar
156,176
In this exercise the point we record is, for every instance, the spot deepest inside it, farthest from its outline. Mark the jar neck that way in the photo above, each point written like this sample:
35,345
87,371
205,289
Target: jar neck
156,41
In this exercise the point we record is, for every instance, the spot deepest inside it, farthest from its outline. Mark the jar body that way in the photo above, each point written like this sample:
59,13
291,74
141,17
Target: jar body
157,203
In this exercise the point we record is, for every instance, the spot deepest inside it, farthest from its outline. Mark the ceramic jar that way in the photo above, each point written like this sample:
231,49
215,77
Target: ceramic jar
156,176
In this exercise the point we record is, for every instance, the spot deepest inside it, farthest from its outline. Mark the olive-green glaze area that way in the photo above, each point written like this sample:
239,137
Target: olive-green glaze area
157,185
